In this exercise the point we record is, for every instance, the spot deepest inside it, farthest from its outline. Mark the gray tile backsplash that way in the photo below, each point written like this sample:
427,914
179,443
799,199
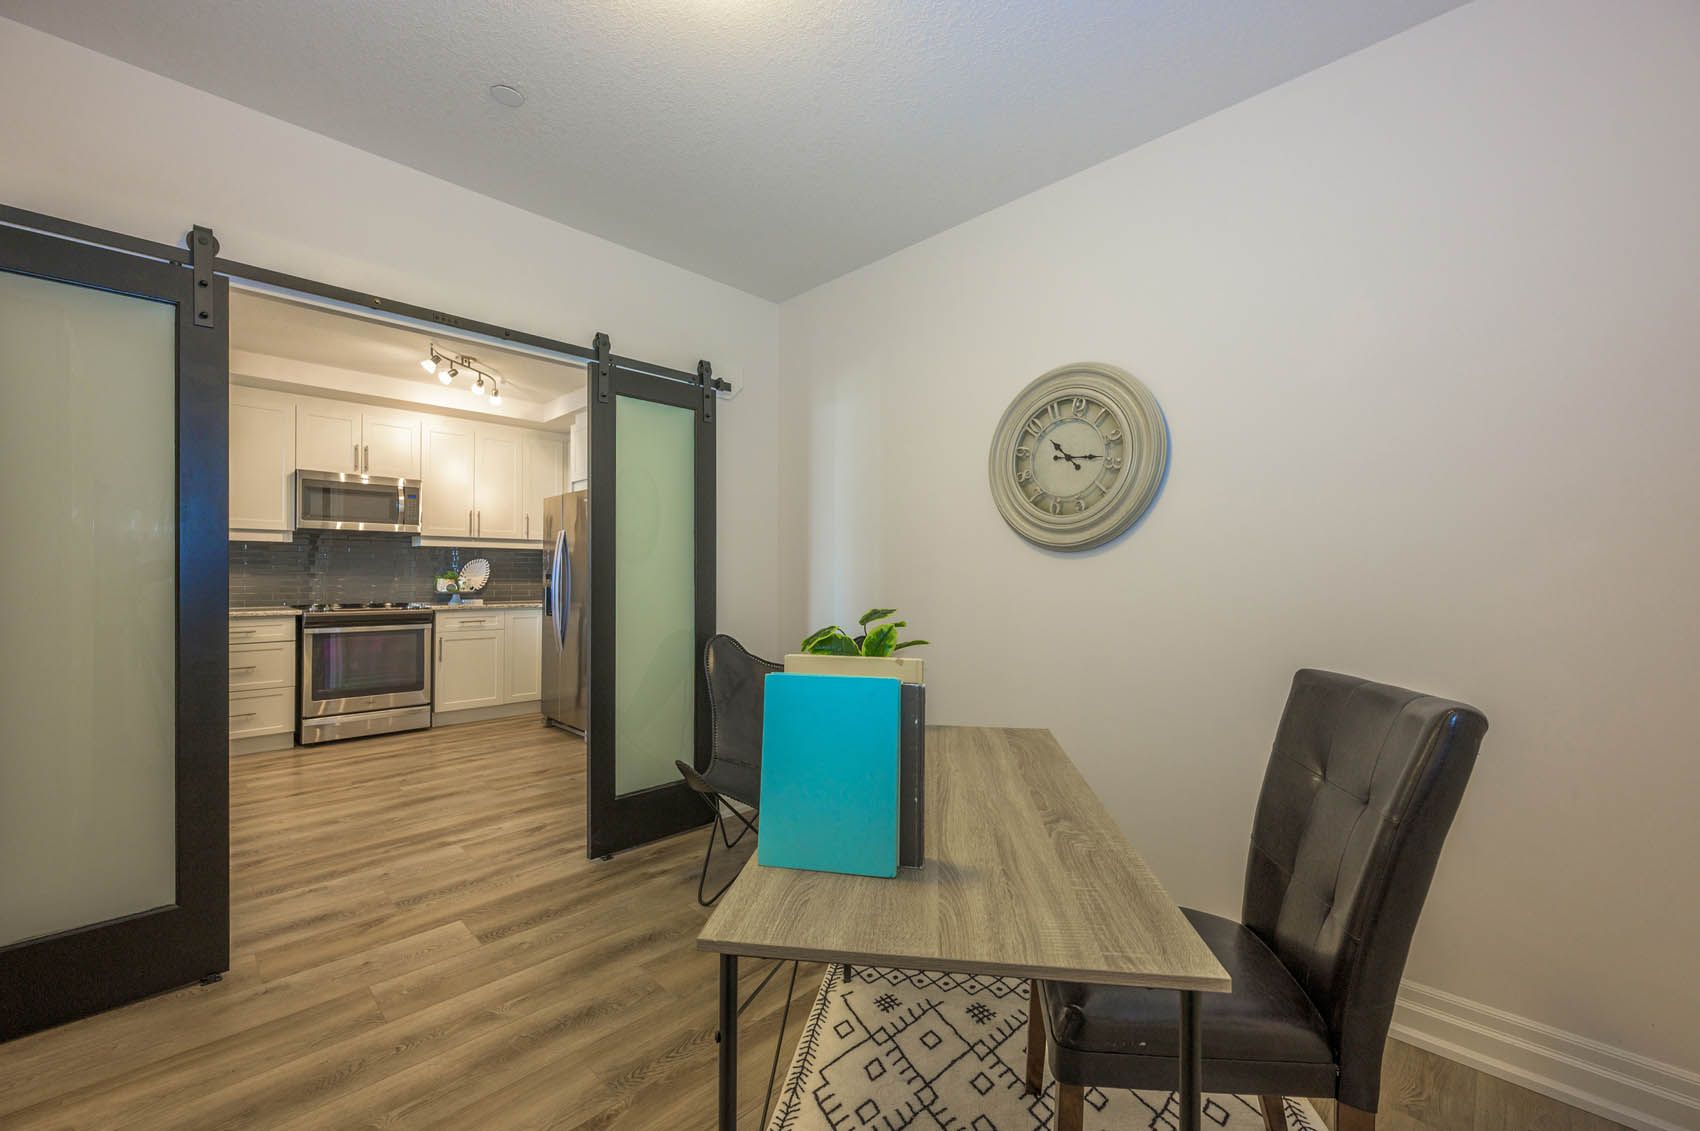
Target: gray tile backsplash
330,566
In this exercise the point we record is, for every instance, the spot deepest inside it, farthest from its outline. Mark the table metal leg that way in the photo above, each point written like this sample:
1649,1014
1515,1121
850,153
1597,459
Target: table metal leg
728,1042
1192,1064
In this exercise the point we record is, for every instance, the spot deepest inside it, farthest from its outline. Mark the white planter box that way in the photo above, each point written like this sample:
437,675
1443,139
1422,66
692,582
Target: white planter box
890,667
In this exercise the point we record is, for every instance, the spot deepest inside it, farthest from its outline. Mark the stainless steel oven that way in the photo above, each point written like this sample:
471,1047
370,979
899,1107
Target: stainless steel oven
347,500
364,671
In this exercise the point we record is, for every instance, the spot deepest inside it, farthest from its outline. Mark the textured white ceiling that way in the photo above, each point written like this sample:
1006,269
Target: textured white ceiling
770,144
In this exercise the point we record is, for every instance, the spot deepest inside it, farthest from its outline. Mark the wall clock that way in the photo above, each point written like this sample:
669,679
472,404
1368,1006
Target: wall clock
1078,457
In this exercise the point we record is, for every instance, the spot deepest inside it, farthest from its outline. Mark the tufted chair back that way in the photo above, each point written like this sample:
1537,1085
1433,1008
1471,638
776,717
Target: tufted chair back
736,693
1361,788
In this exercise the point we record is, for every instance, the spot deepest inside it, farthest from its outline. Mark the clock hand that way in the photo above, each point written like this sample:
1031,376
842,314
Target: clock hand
1061,454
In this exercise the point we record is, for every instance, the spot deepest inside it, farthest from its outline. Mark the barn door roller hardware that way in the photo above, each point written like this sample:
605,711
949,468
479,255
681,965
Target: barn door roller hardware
203,253
705,378
604,365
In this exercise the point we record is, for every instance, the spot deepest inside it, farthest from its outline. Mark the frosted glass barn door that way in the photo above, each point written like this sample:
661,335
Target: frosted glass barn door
113,772
652,603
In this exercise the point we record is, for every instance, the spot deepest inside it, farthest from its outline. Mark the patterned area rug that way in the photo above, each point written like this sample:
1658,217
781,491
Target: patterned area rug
893,1049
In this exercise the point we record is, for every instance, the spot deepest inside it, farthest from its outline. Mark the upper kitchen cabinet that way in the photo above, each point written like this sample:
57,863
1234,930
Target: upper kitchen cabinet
544,474
341,436
496,486
262,461
446,501
578,453
391,442
327,435
479,480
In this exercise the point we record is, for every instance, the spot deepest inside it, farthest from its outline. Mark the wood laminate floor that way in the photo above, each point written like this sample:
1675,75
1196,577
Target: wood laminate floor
418,941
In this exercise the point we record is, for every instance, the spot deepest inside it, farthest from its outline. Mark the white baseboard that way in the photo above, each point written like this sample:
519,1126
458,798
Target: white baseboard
1634,1090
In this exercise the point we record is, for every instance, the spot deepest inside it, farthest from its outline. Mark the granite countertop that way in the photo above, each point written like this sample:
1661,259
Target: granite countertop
286,611
537,604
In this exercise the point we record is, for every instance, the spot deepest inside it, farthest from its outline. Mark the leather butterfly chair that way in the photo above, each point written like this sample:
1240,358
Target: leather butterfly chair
736,690
1361,788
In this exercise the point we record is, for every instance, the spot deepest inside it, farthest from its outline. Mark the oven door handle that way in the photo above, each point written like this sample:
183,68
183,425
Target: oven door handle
413,626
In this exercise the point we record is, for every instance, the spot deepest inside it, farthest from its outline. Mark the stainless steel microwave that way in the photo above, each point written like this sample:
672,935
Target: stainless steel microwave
347,500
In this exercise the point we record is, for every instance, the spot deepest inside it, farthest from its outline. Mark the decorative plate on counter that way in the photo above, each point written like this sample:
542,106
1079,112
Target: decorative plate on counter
473,575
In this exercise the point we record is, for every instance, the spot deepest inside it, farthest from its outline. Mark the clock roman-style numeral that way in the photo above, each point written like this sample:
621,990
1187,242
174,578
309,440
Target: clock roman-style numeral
1099,419
1056,506
1025,475
1035,426
1112,463
1080,404
1112,437
1022,450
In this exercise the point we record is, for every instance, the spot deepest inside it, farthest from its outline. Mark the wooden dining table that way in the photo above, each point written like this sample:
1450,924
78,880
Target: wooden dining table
1026,876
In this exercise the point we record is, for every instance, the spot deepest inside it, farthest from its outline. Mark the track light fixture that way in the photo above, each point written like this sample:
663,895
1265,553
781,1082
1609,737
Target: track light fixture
449,366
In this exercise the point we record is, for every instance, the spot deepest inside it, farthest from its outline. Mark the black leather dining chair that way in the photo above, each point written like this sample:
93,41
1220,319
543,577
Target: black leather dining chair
736,689
1361,788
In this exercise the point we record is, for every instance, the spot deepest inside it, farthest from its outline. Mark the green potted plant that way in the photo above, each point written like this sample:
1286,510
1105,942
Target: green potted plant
448,581
872,651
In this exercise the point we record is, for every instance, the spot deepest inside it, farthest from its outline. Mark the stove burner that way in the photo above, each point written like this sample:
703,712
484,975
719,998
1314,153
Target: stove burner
338,606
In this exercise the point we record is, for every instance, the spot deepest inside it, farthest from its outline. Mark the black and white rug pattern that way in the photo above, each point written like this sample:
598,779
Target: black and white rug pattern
890,1049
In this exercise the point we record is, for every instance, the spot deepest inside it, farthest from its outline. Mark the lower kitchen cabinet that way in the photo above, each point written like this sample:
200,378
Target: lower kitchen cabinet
257,714
524,677
262,683
469,666
487,658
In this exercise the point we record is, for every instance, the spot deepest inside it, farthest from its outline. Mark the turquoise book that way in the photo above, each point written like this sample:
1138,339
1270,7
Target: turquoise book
829,774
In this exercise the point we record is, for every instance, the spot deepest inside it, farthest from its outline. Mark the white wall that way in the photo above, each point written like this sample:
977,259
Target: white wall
1426,326
92,139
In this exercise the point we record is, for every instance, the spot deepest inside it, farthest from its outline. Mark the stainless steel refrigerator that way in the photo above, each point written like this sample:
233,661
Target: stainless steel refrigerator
566,610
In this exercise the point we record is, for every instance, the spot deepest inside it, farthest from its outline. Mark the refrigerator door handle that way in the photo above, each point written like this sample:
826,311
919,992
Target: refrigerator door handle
561,584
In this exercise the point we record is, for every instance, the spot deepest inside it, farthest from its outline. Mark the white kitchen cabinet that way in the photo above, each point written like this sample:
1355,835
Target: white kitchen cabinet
578,453
524,656
343,436
262,683
446,500
262,460
262,714
470,487
327,435
471,665
544,459
257,667
391,442
497,512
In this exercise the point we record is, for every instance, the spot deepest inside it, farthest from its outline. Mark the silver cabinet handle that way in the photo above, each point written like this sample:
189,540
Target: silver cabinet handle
528,524
245,668
469,522
439,649
366,457
244,714
481,524
357,457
